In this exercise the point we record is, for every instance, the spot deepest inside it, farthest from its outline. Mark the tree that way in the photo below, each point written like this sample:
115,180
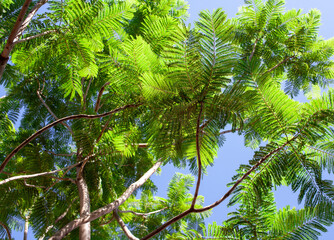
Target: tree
112,90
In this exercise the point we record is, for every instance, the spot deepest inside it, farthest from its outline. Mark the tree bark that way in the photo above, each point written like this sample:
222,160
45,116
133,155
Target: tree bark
106,209
4,56
26,228
84,229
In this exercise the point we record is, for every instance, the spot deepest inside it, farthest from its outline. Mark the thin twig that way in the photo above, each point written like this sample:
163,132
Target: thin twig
38,174
52,113
127,232
86,93
40,131
81,162
143,214
34,36
31,185
98,101
198,151
278,64
107,222
63,179
254,48
229,131
7,230
60,154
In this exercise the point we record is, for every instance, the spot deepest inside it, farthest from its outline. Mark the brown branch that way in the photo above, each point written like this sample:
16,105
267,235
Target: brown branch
40,131
253,51
84,229
29,17
86,93
107,222
81,162
199,162
108,208
31,185
4,56
7,230
278,64
66,211
63,179
61,154
229,131
127,232
35,36
227,194
143,214
52,113
98,101
38,174
46,231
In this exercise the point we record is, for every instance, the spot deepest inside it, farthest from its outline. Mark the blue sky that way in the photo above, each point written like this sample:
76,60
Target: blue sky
232,154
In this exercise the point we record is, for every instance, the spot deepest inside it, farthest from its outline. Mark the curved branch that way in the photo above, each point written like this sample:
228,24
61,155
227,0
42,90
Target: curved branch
86,116
226,195
52,113
106,209
7,230
143,214
35,36
29,17
98,101
199,162
4,56
127,232
38,174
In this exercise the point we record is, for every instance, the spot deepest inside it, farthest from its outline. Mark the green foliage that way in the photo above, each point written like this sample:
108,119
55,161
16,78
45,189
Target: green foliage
186,86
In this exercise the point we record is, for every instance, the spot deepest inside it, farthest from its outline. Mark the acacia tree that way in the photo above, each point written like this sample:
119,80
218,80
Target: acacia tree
112,90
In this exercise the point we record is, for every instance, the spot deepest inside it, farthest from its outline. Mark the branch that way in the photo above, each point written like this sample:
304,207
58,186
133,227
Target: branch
278,64
7,230
31,185
199,162
61,154
108,208
32,137
253,51
143,214
38,174
34,36
50,111
4,56
107,222
29,17
190,210
86,93
228,131
127,232
81,162
63,179
84,229
58,219
98,101
66,211
244,176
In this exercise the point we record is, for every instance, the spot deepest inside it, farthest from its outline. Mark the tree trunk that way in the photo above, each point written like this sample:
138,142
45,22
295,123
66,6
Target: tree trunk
84,229
26,227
